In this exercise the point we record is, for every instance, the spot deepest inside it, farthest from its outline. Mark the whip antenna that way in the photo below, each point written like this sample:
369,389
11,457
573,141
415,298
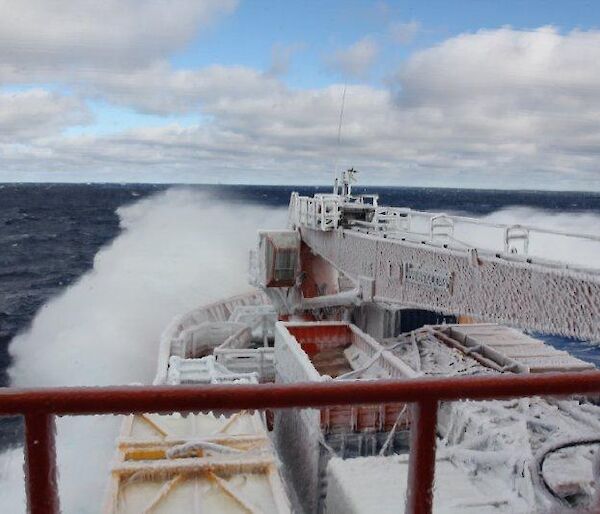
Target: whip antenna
339,137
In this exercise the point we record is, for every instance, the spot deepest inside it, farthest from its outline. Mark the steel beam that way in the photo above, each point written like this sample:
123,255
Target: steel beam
512,290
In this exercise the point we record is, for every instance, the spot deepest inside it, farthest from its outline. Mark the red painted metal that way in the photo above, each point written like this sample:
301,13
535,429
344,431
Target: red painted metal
311,335
128,399
40,464
38,406
320,277
419,493
313,338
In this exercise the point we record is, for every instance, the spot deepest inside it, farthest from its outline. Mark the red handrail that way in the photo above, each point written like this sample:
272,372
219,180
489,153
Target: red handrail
39,406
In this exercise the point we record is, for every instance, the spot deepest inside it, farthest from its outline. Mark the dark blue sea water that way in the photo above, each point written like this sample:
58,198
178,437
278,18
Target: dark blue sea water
49,233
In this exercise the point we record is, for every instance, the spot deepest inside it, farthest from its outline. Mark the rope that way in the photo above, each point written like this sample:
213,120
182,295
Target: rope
390,436
192,448
548,450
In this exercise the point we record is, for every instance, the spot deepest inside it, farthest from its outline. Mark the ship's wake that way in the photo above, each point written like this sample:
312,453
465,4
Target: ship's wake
177,250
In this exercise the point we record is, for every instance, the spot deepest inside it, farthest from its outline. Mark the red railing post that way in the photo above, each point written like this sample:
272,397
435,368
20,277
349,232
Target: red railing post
421,470
41,483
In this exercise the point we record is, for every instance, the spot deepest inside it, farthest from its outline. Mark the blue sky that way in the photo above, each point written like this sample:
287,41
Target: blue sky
247,37
473,93
312,29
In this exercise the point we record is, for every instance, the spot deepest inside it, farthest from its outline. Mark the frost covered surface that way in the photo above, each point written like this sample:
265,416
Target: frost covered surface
207,461
297,431
448,350
492,287
427,356
503,440
202,329
204,371
307,438
200,462
378,484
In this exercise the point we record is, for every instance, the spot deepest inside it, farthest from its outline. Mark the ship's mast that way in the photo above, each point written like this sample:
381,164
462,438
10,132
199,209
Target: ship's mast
345,182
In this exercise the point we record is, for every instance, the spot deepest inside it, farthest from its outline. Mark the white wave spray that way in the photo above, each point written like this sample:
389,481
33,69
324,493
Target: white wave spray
584,253
177,250
572,250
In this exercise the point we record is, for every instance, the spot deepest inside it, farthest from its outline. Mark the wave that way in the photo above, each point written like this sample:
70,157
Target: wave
176,250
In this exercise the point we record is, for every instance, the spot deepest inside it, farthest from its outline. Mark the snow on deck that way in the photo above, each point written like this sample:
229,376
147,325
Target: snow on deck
517,349
378,484
197,463
479,349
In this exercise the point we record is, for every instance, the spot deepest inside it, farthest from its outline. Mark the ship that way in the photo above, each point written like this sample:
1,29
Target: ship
351,291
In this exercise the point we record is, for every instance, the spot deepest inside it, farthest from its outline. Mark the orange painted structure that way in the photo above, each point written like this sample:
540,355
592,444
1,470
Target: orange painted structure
324,345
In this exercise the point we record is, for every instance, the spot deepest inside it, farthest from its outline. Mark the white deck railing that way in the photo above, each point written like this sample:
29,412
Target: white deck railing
321,212
325,212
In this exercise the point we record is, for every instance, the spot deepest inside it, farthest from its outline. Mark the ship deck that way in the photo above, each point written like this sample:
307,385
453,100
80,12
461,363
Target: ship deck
193,464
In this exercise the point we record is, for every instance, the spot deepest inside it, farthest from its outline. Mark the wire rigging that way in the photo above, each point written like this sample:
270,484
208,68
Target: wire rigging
339,131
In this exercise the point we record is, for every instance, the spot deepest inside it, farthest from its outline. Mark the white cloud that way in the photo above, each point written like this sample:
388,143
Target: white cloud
272,137
496,108
33,113
525,65
404,33
39,37
356,60
535,93
281,57
161,90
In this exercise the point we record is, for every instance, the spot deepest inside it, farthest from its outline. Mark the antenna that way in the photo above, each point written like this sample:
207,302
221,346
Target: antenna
339,138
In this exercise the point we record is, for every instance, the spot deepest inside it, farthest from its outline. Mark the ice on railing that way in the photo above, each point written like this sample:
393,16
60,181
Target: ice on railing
205,371
518,239
171,341
572,247
260,318
534,242
253,267
321,212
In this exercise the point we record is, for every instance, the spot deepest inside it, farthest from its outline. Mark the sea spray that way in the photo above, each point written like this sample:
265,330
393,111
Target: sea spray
576,251
177,250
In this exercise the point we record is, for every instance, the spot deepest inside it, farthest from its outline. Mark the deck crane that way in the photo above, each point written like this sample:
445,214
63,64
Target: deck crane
452,264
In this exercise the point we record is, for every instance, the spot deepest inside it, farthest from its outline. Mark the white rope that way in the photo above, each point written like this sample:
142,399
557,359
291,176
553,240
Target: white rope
390,436
191,448
369,363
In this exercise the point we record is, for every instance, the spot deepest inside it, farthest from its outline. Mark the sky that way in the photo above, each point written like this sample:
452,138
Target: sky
464,93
